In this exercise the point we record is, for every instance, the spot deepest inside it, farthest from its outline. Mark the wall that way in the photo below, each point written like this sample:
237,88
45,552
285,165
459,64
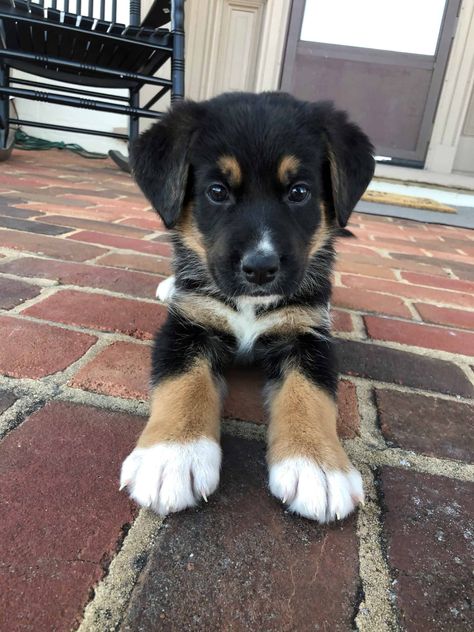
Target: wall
464,160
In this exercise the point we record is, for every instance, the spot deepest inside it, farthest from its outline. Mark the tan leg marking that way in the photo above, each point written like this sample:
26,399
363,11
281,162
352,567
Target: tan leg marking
303,424
287,168
184,408
231,169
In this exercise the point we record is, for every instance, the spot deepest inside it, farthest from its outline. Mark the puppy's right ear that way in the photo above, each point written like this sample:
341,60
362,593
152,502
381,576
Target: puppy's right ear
160,160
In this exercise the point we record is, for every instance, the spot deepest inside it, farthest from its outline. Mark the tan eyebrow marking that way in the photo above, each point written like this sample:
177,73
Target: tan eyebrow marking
231,169
288,166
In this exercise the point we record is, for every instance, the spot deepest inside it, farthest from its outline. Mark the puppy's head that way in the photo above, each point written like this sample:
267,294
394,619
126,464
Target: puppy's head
254,185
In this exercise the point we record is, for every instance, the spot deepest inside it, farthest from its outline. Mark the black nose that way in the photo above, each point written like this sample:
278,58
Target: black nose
260,268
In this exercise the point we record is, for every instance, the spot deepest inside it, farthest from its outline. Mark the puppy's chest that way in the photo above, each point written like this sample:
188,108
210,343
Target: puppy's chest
247,326
247,323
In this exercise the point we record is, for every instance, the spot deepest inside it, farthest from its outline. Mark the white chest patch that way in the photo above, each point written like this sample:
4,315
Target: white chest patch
246,327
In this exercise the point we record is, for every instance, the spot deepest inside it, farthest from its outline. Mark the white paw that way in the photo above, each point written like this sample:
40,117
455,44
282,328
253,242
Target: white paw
315,492
169,477
165,290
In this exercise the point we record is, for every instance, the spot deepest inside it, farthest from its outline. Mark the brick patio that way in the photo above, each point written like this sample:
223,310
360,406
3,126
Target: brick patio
80,256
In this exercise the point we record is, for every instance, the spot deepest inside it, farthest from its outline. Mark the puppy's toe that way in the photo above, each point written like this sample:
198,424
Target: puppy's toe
169,477
315,492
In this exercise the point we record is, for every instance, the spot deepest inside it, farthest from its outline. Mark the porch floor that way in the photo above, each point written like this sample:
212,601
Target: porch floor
81,254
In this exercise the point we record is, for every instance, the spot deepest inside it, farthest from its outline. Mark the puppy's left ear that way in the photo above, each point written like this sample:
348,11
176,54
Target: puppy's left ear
160,160
349,162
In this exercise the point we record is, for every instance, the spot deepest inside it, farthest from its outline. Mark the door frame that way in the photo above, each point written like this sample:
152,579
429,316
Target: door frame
439,61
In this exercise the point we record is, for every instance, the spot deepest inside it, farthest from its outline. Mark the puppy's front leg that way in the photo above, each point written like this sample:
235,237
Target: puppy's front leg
177,458
309,469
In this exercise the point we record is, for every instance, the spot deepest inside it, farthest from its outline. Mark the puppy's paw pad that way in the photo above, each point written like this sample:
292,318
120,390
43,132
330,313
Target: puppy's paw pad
315,492
169,477
165,290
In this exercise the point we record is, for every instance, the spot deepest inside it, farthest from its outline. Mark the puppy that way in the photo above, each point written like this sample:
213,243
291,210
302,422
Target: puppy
255,188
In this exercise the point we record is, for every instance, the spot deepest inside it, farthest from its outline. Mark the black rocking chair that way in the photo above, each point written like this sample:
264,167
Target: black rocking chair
85,50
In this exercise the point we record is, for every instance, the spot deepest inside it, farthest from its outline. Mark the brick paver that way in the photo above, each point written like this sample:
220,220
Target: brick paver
80,244
84,275
400,367
96,311
429,530
31,349
13,292
417,335
430,425
65,517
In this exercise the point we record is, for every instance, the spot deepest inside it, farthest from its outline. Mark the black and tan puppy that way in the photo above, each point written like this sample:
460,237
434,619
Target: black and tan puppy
255,189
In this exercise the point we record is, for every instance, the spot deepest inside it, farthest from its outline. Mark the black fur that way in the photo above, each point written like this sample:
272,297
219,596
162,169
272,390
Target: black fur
176,162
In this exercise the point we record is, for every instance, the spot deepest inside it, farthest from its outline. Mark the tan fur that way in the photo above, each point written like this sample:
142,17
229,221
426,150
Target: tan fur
322,234
288,167
231,169
184,408
190,233
303,424
284,321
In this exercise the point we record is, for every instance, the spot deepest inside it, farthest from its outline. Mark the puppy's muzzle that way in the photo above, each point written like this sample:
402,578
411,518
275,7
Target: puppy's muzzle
260,268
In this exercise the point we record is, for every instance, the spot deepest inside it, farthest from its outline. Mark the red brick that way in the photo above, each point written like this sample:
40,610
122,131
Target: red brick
13,292
445,315
122,370
434,281
62,508
94,276
152,222
461,270
244,397
428,535
384,364
64,209
341,321
420,335
348,421
405,417
417,266
34,350
369,301
394,232
401,247
145,263
453,256
94,225
245,400
365,269
368,258
408,291
106,313
126,243
51,246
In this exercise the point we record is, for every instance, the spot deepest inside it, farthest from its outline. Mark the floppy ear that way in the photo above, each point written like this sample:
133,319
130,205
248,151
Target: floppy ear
349,164
160,160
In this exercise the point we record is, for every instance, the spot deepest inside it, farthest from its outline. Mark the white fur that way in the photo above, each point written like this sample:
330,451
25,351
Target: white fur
265,244
166,289
245,325
169,477
315,492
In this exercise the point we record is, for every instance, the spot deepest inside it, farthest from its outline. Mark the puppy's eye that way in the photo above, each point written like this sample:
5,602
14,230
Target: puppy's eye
217,193
299,193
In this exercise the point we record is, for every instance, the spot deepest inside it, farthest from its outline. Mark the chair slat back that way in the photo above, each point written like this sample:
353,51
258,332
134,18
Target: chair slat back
96,9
